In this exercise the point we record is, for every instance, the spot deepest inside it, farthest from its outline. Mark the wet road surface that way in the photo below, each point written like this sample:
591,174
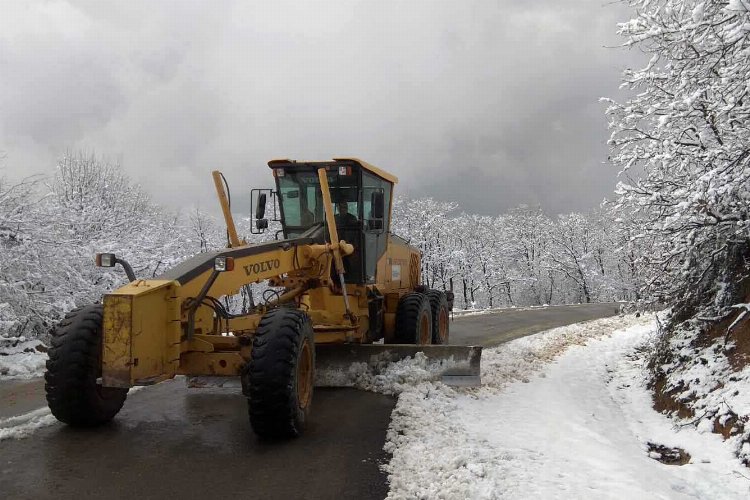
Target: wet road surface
493,328
171,442
20,396
174,442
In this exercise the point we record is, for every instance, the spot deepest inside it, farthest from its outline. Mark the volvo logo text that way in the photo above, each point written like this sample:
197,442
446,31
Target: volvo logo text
262,267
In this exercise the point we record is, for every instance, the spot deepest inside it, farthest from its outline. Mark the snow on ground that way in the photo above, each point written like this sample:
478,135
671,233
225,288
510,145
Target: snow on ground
21,358
384,376
554,418
480,312
24,425
714,389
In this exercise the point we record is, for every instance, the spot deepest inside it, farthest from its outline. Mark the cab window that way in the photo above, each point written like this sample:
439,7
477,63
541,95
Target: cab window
375,231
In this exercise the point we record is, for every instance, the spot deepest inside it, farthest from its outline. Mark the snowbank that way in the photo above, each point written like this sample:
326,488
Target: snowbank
554,418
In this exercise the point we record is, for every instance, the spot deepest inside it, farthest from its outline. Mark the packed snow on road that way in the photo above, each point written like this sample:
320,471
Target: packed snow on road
561,414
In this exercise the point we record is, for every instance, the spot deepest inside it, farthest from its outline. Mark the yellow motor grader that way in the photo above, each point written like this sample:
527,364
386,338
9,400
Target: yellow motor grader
344,290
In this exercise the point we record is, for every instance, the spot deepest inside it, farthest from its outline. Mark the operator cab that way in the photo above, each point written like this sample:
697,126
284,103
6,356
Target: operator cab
361,198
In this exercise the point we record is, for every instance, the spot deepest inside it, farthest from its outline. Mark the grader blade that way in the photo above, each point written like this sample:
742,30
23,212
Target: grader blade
337,364
454,365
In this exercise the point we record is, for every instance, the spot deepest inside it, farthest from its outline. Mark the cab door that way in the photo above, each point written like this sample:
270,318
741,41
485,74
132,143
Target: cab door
375,191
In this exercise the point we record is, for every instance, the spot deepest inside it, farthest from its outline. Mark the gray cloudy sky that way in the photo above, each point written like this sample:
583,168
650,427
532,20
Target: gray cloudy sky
487,103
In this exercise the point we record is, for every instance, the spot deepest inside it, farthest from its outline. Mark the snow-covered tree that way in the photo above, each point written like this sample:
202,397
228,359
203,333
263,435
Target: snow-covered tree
683,144
572,254
203,227
16,204
423,222
519,258
528,231
54,230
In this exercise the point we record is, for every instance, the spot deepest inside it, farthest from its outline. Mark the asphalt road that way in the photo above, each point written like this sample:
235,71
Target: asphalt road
174,442
492,329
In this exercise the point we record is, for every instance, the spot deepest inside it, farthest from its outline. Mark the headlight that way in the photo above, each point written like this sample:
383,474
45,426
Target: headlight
222,264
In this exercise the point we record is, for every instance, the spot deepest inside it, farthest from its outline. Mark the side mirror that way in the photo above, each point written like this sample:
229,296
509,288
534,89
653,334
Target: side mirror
106,260
260,207
378,205
258,198
261,223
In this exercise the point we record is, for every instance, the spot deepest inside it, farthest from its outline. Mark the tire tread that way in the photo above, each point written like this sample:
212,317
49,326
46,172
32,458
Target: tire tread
438,300
268,379
410,308
73,365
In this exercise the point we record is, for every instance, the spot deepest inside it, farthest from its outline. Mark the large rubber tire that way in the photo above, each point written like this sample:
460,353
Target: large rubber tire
440,316
278,379
414,319
73,367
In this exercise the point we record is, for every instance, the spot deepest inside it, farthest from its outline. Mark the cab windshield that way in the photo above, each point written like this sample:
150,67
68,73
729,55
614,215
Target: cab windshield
302,200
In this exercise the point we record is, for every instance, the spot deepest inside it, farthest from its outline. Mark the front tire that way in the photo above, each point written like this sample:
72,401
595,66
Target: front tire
414,320
73,367
278,379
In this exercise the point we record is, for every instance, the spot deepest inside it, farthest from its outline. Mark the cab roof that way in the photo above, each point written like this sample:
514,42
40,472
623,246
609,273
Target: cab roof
279,163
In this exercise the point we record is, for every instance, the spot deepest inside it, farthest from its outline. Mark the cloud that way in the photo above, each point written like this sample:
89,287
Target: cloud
490,104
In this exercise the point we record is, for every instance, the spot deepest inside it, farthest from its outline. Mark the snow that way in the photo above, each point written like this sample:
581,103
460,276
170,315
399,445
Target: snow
21,358
563,413
384,376
24,425
554,418
738,5
495,310
709,385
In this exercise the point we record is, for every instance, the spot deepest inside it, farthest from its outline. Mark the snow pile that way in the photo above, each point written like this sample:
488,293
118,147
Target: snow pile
554,418
384,376
21,358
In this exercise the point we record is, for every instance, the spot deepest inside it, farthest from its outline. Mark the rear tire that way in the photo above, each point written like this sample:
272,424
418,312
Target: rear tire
440,316
278,379
414,320
73,367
